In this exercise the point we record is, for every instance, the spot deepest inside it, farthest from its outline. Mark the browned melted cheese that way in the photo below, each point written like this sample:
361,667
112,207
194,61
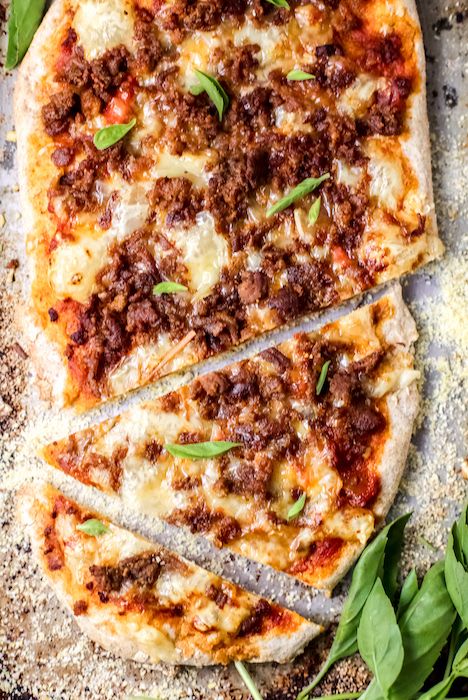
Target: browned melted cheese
184,196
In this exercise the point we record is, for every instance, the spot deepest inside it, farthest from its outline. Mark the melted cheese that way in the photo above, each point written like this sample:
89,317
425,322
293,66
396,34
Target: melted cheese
188,165
102,25
357,96
73,266
204,252
386,173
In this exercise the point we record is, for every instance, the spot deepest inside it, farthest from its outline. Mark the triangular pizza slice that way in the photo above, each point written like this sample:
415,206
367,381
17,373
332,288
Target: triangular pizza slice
144,602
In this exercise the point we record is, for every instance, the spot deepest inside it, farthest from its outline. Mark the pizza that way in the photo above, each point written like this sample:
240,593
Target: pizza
258,162
144,602
290,458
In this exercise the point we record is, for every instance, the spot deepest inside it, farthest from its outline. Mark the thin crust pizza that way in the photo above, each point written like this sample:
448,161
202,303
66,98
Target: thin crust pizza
144,602
258,162
290,458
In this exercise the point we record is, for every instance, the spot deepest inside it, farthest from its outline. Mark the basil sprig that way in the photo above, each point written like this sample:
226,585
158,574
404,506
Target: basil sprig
214,90
93,527
201,450
322,377
168,288
301,190
279,3
109,135
370,566
297,507
299,75
25,17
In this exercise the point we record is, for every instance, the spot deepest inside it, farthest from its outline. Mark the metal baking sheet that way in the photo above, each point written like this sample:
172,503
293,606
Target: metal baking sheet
42,654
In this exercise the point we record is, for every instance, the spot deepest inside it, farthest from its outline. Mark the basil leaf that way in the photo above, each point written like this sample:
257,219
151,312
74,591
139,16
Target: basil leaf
213,89
368,568
425,627
322,378
314,211
299,75
305,187
461,538
109,135
279,3
297,507
408,591
168,288
93,527
248,680
201,450
25,18
392,556
379,638
456,570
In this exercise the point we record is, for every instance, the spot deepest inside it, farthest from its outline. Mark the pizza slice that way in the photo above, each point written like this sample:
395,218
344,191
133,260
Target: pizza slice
195,173
290,458
142,601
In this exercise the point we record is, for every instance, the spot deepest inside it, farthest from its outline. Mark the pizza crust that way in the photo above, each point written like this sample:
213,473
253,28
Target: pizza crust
417,147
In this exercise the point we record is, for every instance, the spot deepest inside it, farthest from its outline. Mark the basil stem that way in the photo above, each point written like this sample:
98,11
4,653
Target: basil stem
305,187
248,680
109,135
201,450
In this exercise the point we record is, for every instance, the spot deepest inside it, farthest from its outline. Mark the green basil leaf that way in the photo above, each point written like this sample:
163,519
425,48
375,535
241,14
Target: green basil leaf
196,89
168,288
299,75
25,18
305,187
201,450
314,211
368,568
379,638
425,627
461,538
279,3
213,89
392,556
322,377
93,527
297,507
109,135
408,591
456,578
248,680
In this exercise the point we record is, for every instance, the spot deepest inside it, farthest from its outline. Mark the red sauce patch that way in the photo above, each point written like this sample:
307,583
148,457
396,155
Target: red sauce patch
323,555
